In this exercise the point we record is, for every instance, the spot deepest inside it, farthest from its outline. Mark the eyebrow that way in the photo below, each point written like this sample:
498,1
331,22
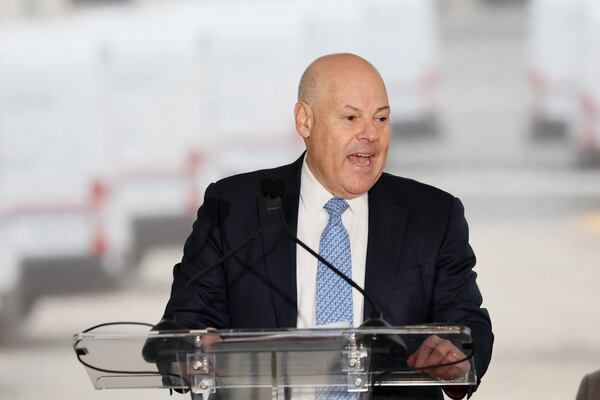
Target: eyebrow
359,110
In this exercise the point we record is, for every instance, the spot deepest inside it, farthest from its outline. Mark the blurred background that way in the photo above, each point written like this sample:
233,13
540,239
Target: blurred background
116,114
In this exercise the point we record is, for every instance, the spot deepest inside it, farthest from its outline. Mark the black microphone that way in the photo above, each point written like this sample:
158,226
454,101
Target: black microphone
386,350
272,191
276,190
168,314
163,351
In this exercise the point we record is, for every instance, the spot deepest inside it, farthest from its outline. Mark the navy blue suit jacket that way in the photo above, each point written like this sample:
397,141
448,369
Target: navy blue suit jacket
419,266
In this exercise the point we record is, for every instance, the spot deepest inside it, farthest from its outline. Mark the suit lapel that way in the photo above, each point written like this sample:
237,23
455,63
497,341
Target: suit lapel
387,223
279,250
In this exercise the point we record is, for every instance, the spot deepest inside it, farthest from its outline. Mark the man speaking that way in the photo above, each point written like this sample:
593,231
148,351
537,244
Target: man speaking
404,242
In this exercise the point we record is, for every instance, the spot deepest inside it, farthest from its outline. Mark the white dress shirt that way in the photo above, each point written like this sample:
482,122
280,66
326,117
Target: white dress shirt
312,219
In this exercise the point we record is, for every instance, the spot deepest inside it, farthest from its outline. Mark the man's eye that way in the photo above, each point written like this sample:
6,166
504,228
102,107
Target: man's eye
350,117
382,119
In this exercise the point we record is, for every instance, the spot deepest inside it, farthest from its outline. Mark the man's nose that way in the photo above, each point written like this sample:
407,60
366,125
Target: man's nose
369,132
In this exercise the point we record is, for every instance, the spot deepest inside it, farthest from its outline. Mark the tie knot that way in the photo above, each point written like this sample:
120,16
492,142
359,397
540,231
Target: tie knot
336,206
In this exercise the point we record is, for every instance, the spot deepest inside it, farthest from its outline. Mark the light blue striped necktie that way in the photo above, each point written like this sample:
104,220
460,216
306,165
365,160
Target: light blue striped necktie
334,295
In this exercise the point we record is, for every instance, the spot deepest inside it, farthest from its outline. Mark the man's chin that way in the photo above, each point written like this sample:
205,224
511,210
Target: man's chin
359,188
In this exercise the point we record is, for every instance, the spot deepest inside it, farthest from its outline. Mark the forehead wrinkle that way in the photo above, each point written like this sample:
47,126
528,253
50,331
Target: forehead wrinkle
354,108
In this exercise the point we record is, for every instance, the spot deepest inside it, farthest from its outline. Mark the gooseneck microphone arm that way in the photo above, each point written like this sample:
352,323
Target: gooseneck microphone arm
197,277
375,314
272,190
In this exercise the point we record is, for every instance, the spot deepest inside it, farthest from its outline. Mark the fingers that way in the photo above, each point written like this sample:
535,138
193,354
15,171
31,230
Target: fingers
210,339
454,370
435,351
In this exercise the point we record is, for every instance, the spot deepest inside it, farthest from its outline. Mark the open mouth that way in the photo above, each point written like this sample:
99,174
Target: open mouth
360,159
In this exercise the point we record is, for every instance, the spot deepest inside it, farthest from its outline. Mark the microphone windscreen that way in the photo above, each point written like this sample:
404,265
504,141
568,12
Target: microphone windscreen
266,187
277,188
272,189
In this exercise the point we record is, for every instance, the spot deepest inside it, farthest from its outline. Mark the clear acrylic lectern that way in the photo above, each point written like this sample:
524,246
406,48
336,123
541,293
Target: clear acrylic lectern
277,364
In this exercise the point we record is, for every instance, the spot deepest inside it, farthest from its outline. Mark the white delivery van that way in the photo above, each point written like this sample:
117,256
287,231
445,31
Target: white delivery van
399,37
586,128
554,33
150,104
403,43
51,153
11,305
253,60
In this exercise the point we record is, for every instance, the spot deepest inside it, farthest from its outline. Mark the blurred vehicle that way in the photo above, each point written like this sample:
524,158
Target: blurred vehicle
252,86
400,38
586,127
150,105
51,150
403,44
10,287
554,38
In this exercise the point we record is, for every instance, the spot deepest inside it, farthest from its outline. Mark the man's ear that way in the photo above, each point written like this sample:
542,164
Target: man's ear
303,116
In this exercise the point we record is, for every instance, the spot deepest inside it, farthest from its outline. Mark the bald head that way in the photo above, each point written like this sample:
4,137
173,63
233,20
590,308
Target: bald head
322,75
342,114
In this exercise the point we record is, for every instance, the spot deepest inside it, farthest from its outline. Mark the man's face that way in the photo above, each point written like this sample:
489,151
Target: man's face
348,144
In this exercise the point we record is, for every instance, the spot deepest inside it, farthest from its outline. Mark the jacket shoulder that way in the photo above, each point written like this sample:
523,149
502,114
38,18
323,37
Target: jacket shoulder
411,190
250,183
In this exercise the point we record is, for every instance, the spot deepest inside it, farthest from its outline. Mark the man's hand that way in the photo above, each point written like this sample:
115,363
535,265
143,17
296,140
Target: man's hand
210,339
435,351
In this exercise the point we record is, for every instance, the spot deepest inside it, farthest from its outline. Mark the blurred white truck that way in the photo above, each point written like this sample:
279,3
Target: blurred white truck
93,164
400,38
51,150
554,55
403,43
586,127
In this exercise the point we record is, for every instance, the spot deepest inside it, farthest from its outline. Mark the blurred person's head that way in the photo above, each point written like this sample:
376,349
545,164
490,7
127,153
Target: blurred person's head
342,114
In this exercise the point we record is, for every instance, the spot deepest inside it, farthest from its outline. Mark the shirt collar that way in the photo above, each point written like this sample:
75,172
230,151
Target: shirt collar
314,196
